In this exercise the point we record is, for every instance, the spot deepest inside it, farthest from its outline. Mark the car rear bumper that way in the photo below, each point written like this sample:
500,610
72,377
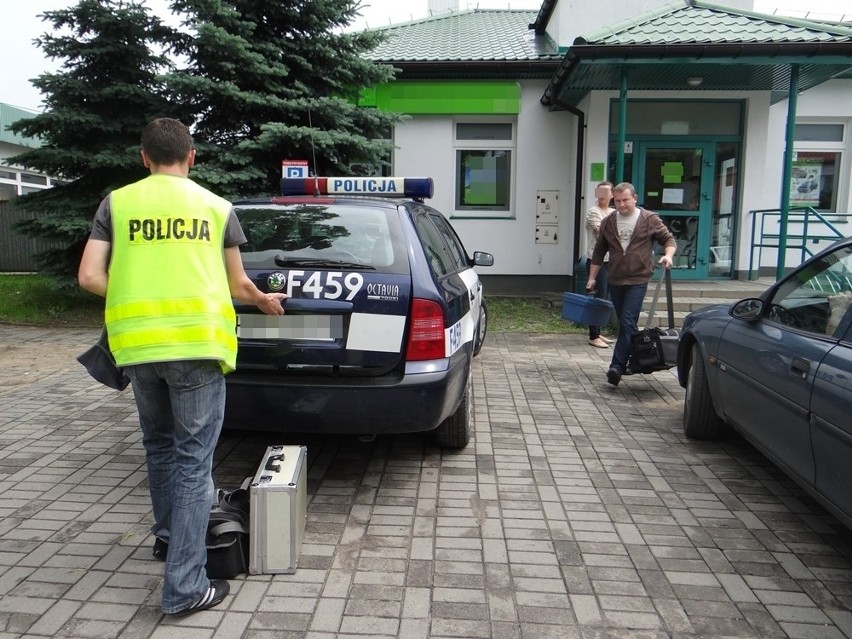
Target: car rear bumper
409,403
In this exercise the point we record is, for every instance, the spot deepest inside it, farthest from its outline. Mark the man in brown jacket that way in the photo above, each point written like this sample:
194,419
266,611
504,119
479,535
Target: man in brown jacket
629,238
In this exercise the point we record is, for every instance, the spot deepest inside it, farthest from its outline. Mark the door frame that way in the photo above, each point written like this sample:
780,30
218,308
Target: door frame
705,199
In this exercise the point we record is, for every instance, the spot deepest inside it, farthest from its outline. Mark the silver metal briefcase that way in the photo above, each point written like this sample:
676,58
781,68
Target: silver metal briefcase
278,496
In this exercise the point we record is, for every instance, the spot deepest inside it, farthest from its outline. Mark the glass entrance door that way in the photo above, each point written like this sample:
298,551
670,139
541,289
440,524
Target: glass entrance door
675,180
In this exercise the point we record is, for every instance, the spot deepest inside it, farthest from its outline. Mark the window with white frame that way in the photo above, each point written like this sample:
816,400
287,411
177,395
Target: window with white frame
818,158
14,182
484,156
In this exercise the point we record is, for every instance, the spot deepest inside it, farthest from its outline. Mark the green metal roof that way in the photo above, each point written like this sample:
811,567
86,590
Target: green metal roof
728,49
679,23
472,42
10,114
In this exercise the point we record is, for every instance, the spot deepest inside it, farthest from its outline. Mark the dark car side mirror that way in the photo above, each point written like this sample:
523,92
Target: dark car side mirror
481,258
748,309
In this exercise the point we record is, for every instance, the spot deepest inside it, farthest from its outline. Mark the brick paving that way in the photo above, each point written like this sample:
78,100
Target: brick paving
579,511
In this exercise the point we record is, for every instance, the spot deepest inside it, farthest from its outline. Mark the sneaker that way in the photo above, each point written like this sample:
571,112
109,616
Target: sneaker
161,549
598,343
613,376
218,590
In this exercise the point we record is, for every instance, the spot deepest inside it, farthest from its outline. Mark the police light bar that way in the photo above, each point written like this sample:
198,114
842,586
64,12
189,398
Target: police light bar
371,186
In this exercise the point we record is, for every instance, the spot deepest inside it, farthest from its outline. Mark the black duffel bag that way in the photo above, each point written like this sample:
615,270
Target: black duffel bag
655,349
228,534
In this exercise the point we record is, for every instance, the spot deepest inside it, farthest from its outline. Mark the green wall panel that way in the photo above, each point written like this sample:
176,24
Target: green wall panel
445,98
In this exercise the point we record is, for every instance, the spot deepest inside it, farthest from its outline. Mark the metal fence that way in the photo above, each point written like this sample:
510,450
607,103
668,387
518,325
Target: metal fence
17,251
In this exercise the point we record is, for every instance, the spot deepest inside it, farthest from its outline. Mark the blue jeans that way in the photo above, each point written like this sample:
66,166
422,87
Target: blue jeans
181,407
627,300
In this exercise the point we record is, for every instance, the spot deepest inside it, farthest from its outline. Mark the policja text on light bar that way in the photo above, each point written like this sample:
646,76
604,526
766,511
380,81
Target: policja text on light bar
371,186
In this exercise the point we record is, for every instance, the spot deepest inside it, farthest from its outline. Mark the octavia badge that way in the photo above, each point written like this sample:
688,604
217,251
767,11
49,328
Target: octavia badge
276,281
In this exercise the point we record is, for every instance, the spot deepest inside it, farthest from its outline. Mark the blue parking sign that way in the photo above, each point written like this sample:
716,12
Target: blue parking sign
294,168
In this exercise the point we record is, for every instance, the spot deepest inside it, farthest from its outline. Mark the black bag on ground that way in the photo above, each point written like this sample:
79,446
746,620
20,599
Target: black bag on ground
655,349
228,534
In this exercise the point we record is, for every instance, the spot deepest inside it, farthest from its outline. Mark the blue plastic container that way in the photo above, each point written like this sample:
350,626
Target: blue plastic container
586,310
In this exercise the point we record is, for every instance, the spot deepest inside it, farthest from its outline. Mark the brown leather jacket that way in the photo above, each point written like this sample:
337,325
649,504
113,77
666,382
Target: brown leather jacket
636,264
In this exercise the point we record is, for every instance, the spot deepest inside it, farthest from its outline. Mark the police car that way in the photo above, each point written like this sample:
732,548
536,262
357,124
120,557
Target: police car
384,313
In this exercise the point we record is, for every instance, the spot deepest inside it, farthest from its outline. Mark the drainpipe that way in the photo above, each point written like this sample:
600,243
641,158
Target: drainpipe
622,127
579,215
788,170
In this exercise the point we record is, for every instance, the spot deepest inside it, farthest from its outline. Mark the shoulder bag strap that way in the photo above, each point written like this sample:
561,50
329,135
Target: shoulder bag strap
669,304
653,309
226,527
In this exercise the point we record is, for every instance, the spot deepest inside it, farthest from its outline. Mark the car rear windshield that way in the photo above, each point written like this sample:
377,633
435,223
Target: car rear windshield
323,236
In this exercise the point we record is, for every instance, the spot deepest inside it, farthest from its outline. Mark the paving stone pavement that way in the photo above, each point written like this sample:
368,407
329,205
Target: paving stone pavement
579,511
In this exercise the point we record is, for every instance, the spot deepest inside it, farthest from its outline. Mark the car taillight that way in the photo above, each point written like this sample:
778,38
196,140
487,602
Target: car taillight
426,338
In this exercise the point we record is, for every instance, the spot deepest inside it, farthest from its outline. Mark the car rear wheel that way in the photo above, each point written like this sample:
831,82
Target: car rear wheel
700,420
454,432
481,328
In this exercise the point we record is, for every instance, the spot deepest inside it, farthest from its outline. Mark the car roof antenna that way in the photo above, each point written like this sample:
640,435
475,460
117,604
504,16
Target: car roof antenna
314,152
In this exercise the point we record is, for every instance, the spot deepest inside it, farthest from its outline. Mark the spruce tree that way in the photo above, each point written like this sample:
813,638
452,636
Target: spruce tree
96,105
268,80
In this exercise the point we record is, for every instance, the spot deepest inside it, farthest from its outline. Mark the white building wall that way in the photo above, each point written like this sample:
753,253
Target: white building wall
544,160
423,148
760,184
596,109
545,156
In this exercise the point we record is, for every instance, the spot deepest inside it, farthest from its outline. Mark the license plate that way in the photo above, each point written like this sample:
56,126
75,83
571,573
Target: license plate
290,327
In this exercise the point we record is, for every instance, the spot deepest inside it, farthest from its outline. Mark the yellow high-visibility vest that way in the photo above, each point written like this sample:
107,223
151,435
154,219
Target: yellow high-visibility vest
167,293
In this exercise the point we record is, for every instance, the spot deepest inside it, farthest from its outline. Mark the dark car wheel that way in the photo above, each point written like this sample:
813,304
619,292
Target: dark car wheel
700,420
454,432
481,328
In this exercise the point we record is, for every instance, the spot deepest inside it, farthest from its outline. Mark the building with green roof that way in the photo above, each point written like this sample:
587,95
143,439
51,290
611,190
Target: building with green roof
15,180
518,114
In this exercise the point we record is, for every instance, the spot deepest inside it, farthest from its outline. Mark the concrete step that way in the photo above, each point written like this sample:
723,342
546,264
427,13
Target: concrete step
688,296
662,319
689,303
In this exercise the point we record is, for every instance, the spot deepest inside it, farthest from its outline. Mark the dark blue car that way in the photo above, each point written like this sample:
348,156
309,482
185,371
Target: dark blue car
384,313
778,369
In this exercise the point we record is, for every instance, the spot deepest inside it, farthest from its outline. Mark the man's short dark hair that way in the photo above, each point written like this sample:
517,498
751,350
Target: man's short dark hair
624,186
166,141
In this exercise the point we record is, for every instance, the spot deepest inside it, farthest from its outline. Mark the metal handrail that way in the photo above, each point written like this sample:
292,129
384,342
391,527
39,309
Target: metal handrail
803,213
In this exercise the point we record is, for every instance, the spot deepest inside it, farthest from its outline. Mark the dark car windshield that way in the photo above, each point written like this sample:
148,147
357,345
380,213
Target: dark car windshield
348,237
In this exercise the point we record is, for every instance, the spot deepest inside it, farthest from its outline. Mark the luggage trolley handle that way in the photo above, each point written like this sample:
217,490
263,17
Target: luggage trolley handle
667,275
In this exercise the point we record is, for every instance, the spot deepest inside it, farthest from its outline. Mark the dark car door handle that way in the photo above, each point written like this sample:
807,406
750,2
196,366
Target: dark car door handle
800,367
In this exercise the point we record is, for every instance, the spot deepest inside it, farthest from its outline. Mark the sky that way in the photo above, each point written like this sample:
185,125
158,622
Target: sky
23,60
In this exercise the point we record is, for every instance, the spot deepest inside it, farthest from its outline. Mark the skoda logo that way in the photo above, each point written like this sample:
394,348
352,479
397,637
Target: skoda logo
276,281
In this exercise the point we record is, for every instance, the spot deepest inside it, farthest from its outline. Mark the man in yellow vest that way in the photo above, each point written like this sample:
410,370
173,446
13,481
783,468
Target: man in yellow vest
165,254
